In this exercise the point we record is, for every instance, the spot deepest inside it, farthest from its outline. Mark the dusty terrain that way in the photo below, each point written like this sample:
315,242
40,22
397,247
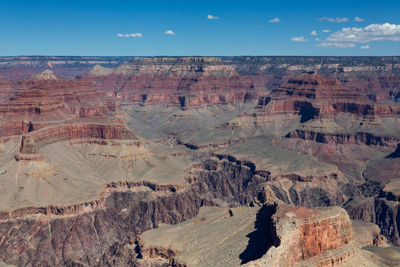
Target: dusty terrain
263,161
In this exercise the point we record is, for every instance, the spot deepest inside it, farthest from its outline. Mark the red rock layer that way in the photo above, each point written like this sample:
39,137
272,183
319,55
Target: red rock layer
35,104
308,234
195,89
315,86
327,95
318,236
31,141
43,96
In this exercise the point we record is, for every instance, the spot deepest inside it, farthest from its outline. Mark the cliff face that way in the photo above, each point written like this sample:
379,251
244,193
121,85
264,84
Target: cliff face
44,109
30,143
20,67
87,164
307,236
328,96
128,209
282,236
225,77
36,103
356,138
93,227
185,90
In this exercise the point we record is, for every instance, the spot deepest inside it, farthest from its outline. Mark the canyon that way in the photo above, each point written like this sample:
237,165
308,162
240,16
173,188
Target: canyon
199,161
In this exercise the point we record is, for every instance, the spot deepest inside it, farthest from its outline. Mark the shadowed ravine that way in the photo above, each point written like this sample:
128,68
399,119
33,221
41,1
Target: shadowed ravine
263,238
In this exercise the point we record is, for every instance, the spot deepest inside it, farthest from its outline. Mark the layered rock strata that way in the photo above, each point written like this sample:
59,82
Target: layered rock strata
282,236
152,140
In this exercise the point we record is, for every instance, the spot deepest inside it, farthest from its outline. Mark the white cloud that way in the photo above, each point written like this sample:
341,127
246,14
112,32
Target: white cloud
275,20
373,32
338,20
365,47
348,37
336,45
326,30
314,33
212,17
133,35
169,32
130,35
299,39
317,39
358,19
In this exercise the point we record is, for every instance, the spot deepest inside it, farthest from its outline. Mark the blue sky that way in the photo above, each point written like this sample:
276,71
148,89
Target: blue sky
140,28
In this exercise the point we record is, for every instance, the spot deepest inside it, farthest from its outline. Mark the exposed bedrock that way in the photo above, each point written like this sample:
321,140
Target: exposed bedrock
99,232
56,239
31,142
40,102
190,91
313,86
376,203
14,128
313,95
388,218
44,96
281,236
383,212
22,67
344,138
308,236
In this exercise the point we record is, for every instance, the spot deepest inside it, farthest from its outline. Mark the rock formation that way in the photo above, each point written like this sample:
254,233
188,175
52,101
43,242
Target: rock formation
321,237
45,75
277,236
96,151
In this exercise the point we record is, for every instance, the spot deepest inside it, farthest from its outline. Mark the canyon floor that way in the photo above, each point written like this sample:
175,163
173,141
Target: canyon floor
200,161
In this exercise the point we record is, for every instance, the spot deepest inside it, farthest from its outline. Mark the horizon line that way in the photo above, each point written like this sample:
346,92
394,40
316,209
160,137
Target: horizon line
176,56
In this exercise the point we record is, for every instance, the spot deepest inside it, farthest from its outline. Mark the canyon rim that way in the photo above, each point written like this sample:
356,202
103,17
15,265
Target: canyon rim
199,161
199,133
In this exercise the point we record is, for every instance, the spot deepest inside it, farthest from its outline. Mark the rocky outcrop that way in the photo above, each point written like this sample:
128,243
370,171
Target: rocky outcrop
382,210
21,67
99,70
14,128
388,218
321,237
94,228
168,255
45,75
315,86
186,82
252,77
350,104
196,88
78,131
31,142
315,96
41,97
357,138
43,101
179,66
282,236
